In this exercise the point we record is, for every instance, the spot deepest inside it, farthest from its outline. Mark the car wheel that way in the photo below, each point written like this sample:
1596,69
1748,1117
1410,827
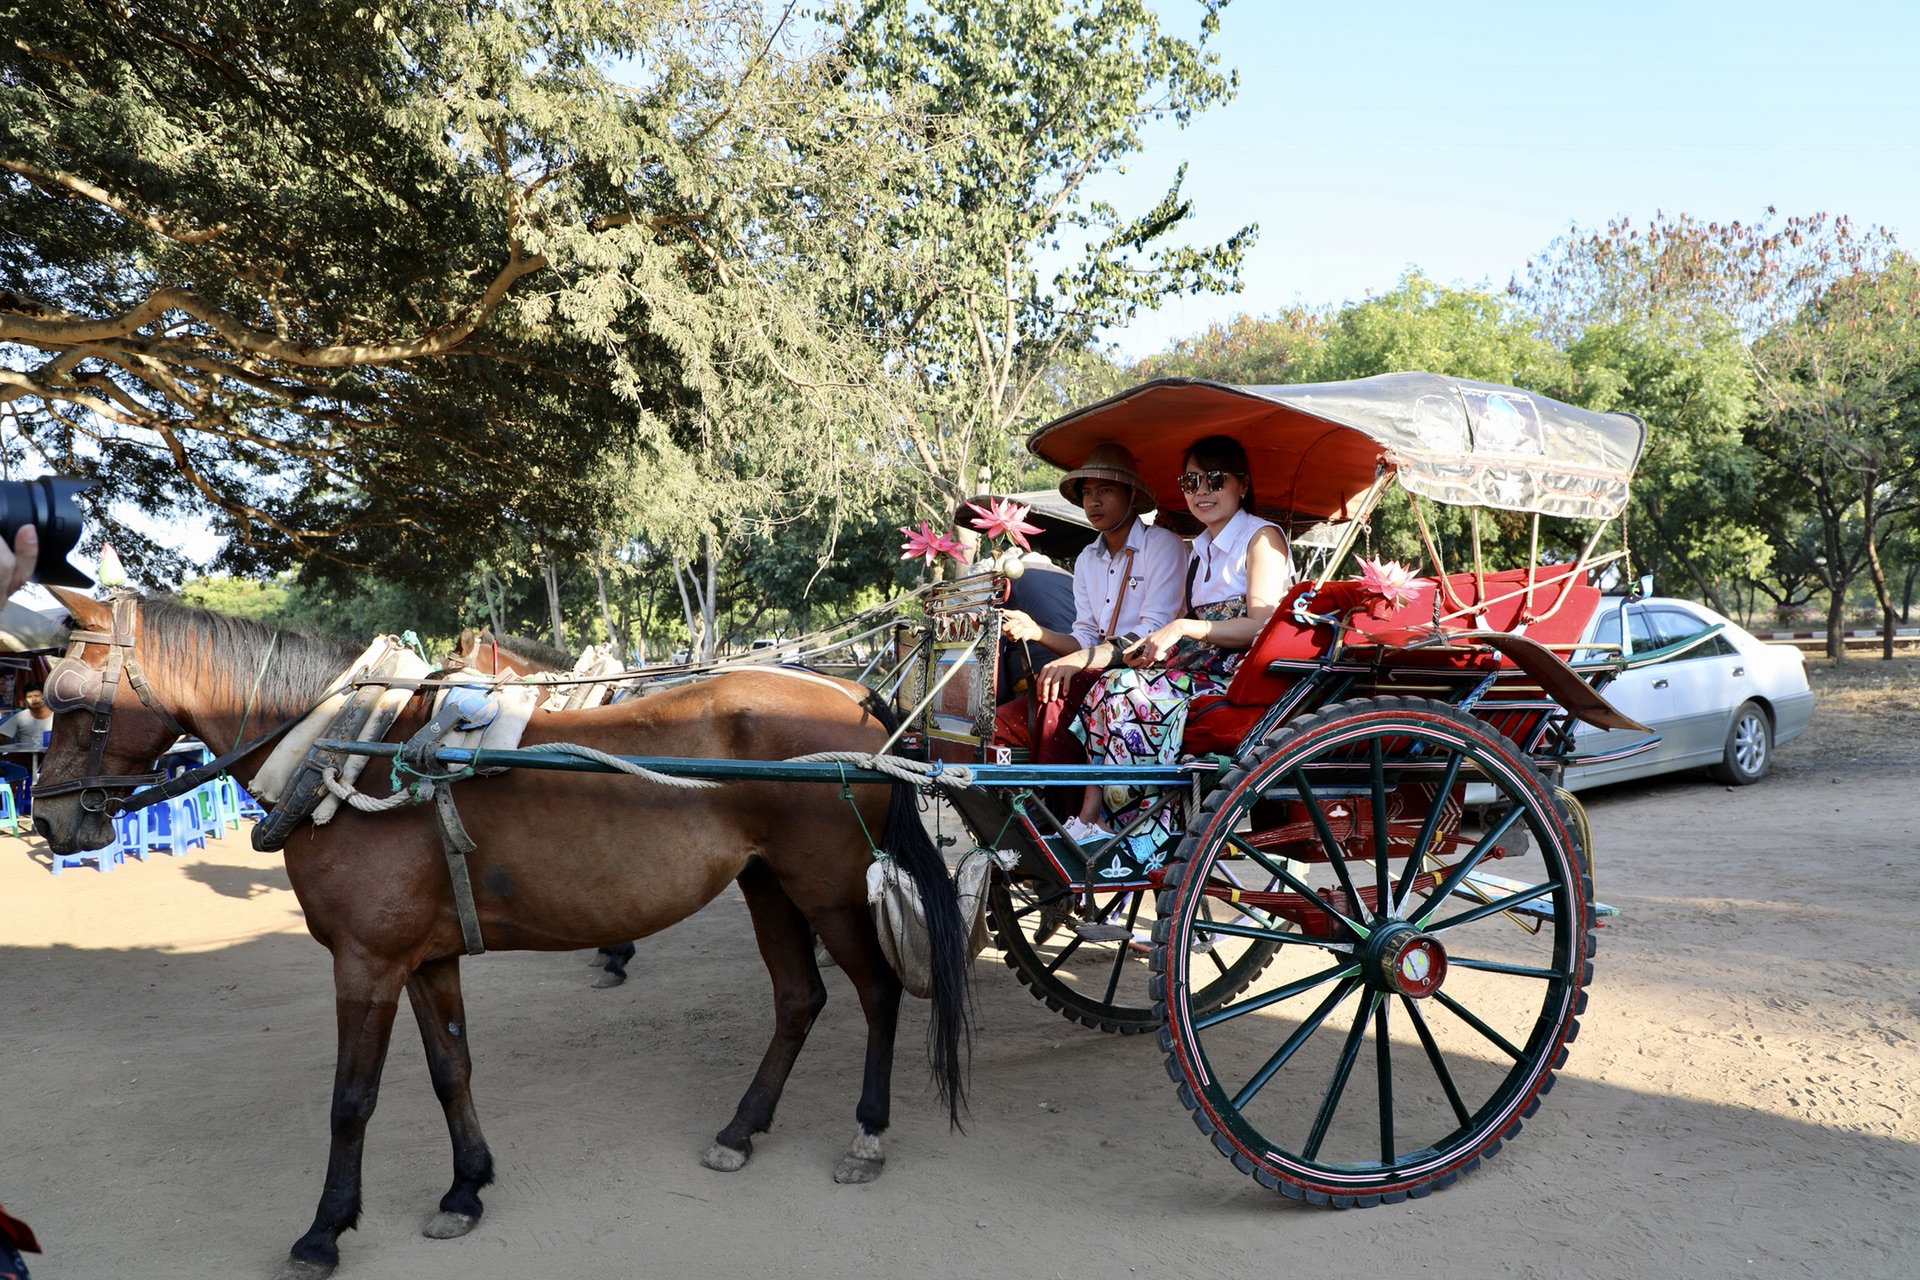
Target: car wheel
1749,750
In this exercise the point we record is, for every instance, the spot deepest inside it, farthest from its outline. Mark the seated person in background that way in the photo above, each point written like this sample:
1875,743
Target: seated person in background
1042,597
1240,568
1126,583
24,727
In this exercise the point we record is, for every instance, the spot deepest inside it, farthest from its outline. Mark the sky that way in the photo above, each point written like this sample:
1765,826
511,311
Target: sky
1463,138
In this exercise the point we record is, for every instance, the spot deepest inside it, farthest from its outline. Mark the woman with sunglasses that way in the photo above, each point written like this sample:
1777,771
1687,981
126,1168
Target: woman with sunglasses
1239,567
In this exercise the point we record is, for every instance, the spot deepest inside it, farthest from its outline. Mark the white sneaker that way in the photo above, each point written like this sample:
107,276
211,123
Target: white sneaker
1083,832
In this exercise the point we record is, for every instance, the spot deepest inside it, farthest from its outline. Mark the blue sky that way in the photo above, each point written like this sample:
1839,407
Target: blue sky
1368,138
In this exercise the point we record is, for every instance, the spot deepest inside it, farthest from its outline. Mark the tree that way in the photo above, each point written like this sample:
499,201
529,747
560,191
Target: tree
1694,507
994,265
360,282
1248,351
1840,394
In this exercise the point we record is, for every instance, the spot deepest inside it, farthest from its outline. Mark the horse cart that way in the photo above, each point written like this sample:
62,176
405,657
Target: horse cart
1365,947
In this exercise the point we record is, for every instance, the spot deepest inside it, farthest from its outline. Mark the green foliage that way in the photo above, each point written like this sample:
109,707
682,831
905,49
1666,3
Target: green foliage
1016,106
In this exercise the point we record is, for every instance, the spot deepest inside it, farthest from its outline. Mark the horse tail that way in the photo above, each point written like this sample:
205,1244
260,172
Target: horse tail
950,1030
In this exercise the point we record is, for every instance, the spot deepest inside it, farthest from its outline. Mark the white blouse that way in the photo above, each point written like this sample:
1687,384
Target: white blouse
1221,563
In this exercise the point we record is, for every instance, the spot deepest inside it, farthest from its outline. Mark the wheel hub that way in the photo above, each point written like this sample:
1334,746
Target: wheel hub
1404,960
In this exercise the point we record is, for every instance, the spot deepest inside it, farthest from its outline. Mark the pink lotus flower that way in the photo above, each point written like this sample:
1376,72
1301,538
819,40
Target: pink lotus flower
1004,516
924,542
1390,580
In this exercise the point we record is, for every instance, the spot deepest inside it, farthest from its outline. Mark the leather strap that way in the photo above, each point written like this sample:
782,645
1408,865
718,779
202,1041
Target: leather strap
457,844
1126,576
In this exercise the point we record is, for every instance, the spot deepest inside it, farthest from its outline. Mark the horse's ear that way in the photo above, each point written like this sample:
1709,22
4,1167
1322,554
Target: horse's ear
466,642
88,612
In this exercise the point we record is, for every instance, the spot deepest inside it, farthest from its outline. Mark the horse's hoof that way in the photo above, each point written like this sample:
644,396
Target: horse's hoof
864,1162
449,1226
724,1159
301,1269
855,1170
608,979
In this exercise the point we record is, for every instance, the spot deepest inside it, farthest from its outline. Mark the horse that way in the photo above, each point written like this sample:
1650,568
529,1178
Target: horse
637,858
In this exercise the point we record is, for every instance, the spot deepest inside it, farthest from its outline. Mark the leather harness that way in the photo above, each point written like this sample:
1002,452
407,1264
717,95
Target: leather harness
74,685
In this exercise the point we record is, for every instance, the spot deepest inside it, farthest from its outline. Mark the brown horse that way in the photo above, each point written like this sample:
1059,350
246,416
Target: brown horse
637,858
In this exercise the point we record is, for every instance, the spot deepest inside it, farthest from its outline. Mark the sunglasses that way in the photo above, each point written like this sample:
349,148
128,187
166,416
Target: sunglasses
1192,481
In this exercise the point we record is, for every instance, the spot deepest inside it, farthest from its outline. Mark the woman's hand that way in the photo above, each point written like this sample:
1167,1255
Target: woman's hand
1154,648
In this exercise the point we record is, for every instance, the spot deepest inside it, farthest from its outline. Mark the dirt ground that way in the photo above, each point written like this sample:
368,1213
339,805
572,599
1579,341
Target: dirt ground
1740,1102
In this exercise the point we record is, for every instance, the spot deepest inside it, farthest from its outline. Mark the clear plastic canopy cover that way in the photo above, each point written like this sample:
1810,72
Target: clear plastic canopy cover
1315,447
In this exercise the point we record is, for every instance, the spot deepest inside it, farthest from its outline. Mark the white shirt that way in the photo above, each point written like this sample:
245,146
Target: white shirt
1222,561
1153,584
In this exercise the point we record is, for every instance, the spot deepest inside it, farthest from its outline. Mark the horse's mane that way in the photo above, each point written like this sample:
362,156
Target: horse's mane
187,640
535,651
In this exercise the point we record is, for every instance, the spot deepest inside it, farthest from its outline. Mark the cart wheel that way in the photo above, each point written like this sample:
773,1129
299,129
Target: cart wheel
1582,826
1443,959
1096,972
1749,749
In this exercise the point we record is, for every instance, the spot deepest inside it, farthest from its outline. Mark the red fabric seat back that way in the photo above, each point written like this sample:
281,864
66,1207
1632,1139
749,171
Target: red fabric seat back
1216,722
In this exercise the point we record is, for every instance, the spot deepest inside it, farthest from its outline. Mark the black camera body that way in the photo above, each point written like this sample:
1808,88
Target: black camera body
48,505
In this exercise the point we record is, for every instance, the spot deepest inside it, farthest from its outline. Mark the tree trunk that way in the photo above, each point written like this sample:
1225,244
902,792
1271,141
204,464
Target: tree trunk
1837,620
1906,595
686,608
1880,592
606,614
708,616
551,568
488,580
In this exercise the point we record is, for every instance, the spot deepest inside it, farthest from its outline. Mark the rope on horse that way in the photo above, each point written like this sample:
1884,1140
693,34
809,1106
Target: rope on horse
360,800
914,772
615,763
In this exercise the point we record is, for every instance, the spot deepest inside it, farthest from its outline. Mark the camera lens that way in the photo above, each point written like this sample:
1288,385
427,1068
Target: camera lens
47,504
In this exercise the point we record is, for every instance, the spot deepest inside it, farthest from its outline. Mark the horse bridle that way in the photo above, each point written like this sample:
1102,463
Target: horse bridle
75,685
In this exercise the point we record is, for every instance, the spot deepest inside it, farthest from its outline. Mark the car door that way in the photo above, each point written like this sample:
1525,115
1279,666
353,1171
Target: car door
1643,693
1702,685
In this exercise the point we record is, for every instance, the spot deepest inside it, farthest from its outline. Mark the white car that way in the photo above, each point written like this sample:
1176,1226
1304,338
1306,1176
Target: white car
1724,702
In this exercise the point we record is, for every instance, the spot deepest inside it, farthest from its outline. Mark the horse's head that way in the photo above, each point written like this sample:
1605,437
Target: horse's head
105,738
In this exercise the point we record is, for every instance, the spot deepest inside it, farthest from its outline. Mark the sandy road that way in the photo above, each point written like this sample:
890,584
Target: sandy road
1740,1102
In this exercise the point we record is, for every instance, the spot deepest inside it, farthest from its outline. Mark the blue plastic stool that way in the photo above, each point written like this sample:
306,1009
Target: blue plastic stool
189,825
208,806
226,802
9,816
249,807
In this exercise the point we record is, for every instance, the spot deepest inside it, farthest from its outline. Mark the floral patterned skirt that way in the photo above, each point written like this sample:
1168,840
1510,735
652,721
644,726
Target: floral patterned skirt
1138,716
